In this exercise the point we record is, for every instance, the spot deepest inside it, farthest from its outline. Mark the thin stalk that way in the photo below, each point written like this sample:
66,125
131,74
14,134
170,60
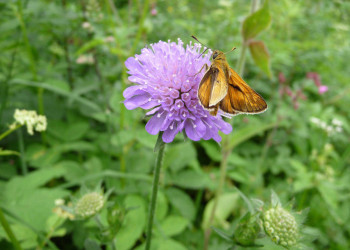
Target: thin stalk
226,148
6,133
21,150
8,231
5,88
112,10
152,206
40,93
223,167
141,22
241,60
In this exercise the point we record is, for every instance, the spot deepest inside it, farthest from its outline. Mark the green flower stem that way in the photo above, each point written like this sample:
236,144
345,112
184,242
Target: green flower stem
155,184
21,150
226,148
6,133
8,231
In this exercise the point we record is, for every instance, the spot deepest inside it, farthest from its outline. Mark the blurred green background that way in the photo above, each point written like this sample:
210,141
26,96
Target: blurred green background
65,59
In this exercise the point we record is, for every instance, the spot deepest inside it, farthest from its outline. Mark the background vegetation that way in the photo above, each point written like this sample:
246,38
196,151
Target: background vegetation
65,59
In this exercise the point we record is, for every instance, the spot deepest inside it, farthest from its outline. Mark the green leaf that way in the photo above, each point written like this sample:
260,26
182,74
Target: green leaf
58,91
179,156
68,132
131,231
26,237
261,56
248,132
192,179
222,234
212,149
91,244
275,200
256,22
162,244
34,206
173,225
89,45
226,204
182,202
8,152
162,206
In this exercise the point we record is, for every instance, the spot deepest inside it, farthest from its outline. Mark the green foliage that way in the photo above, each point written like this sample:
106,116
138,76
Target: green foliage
65,59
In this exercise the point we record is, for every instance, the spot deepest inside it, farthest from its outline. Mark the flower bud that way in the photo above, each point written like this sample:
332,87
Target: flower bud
89,204
247,232
281,226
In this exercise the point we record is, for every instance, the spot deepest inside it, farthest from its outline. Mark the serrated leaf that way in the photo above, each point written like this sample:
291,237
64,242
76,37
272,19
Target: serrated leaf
261,56
256,22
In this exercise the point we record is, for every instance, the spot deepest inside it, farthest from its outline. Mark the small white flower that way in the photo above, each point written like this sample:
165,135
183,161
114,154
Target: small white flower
86,25
337,122
85,59
31,119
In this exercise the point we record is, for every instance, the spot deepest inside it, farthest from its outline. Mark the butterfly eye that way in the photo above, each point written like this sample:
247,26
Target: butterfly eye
215,55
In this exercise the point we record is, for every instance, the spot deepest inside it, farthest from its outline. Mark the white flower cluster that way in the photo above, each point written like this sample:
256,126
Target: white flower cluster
89,204
336,125
31,119
85,59
281,226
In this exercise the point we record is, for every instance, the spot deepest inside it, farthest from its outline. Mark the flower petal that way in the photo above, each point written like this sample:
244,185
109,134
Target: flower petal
155,123
194,129
137,100
170,133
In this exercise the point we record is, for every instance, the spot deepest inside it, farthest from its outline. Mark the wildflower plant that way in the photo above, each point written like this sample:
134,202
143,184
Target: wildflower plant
166,78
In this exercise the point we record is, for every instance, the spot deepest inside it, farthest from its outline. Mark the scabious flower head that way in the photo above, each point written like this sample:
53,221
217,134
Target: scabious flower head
167,78
89,204
31,119
281,226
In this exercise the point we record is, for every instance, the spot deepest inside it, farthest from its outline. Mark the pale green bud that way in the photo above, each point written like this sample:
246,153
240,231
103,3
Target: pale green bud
280,225
89,204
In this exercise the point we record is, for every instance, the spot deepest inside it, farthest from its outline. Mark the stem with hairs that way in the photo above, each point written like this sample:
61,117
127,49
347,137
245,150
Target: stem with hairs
155,184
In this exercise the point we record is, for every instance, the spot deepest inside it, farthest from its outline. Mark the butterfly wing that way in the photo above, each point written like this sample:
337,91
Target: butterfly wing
241,98
212,88
219,90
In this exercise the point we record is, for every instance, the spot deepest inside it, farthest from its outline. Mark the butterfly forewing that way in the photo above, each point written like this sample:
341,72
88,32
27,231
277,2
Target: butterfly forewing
205,87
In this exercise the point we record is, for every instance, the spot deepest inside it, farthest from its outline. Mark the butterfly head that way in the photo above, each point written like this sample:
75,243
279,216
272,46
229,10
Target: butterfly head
218,55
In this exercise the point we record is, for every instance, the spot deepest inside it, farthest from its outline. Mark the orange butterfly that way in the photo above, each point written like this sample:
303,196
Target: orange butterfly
223,89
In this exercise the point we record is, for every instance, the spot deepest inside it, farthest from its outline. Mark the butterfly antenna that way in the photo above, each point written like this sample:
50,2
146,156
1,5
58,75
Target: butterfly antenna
202,52
230,50
206,47
195,38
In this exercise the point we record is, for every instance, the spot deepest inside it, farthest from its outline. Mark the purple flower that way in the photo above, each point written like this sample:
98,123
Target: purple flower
167,79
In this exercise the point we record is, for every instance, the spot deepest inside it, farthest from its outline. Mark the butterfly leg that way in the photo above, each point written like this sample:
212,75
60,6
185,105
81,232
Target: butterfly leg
206,68
214,110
